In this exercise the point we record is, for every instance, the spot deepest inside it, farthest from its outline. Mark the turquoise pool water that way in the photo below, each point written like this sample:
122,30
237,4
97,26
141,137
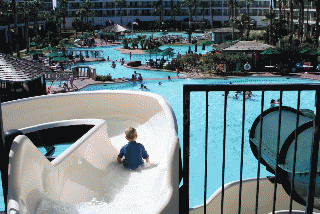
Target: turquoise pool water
159,34
173,90
104,68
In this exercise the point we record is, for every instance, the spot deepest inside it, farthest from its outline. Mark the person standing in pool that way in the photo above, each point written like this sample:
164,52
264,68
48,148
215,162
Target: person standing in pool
133,152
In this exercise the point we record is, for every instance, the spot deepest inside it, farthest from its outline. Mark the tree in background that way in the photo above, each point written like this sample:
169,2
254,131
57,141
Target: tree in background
62,11
190,4
76,24
316,33
25,8
158,11
121,4
6,10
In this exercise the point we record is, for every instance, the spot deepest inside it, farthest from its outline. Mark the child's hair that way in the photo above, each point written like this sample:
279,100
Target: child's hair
130,132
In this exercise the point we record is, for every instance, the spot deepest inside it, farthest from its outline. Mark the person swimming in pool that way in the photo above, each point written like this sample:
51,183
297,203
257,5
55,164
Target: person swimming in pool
113,64
235,95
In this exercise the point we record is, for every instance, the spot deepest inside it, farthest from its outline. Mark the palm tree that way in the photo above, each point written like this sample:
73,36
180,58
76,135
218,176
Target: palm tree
270,18
47,16
189,4
92,14
203,5
15,34
301,18
142,41
25,7
316,33
158,10
291,28
173,12
6,10
63,11
37,7
211,13
121,4
81,13
248,14
76,23
231,9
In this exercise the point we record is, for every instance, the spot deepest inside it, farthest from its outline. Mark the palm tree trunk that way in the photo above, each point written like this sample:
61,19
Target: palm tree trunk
301,20
16,40
316,33
26,30
235,8
211,14
280,10
291,23
9,35
190,30
248,13
64,22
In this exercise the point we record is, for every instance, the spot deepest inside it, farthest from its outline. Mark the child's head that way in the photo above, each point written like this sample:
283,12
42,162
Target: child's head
131,133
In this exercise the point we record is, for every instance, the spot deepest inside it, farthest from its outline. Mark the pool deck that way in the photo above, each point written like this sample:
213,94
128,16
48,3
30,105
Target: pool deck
83,82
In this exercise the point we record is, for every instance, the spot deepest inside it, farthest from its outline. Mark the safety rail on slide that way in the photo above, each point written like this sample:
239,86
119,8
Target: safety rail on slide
189,89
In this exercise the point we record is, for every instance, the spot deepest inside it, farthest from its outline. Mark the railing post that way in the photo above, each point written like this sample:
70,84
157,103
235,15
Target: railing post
314,156
206,156
186,149
4,161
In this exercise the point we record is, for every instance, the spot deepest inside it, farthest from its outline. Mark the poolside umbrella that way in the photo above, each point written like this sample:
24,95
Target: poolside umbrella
85,36
270,52
60,59
49,48
33,44
310,52
164,32
34,52
55,54
69,45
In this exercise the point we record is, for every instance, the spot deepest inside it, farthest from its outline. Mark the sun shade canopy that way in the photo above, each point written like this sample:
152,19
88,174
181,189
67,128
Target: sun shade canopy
20,70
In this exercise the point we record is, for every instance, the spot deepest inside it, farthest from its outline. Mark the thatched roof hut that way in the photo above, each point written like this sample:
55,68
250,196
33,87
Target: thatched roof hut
242,46
21,78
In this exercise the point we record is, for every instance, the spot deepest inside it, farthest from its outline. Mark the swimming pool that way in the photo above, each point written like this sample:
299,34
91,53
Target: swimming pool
104,68
172,90
159,34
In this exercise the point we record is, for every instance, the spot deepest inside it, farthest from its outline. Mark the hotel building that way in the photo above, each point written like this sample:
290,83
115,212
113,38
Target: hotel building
145,11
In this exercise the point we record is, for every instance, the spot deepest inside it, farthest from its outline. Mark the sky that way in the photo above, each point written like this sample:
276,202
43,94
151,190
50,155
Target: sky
54,2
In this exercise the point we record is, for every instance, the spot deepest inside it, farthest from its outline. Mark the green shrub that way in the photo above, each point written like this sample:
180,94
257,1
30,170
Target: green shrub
104,77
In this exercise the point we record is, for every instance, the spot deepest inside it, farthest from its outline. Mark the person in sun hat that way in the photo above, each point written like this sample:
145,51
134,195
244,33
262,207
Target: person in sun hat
133,152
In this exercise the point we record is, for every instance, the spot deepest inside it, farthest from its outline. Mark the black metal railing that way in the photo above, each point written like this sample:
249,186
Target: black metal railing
189,89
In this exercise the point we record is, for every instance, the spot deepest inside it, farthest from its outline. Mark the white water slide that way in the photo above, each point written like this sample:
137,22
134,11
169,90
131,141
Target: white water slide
86,177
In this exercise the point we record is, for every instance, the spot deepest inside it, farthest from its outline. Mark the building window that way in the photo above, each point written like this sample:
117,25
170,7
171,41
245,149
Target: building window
217,12
217,4
97,5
